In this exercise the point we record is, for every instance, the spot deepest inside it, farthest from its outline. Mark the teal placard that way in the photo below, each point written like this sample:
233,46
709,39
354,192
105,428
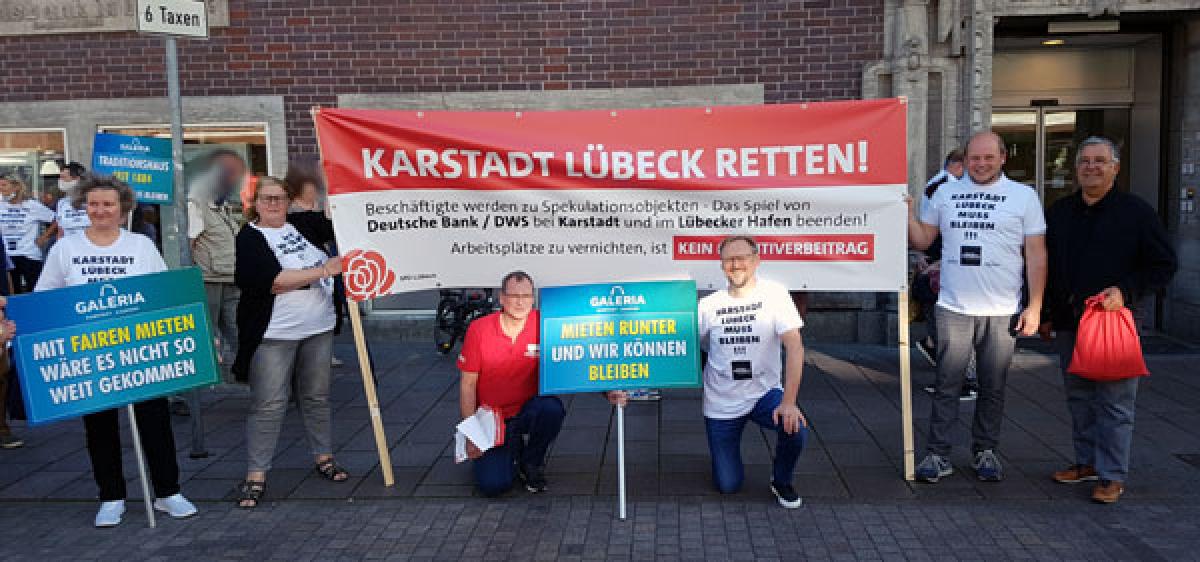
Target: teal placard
97,346
614,336
144,163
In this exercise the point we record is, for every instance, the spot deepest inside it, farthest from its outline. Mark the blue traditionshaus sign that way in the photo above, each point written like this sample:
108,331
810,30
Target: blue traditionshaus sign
612,336
97,346
142,162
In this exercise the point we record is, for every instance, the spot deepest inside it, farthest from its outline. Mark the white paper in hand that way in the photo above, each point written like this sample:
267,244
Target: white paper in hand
485,429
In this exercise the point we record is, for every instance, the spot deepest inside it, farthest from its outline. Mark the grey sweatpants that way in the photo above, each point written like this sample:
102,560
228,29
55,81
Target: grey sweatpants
992,339
277,366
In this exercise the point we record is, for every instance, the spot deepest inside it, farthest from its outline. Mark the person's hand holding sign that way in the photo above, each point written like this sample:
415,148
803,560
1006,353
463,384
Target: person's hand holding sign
617,397
7,328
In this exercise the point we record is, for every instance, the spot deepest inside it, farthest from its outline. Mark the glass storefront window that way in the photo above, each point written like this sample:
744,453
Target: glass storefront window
34,155
246,139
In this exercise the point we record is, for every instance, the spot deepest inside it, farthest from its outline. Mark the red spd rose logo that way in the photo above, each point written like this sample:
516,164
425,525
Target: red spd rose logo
366,275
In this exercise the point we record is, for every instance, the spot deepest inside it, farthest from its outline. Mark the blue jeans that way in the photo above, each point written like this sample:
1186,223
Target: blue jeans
725,444
540,418
1101,416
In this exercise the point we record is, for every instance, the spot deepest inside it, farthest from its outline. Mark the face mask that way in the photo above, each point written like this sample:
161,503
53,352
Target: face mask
67,185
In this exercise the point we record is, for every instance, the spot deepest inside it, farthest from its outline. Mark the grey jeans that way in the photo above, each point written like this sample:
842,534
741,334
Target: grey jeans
276,367
1101,416
992,340
222,318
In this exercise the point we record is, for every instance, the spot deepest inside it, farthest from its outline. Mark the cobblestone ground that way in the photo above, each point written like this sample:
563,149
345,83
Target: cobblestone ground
585,528
857,504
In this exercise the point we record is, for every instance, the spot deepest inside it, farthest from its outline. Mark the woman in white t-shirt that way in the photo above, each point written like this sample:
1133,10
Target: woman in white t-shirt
21,219
102,252
285,335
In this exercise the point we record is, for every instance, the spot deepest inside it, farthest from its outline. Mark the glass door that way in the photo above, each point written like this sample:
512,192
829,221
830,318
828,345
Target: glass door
1042,143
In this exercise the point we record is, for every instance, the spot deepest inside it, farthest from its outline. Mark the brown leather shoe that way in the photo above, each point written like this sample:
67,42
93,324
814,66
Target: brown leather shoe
1107,491
1076,473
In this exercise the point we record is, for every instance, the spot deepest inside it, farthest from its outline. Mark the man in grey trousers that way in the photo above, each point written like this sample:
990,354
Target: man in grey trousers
993,238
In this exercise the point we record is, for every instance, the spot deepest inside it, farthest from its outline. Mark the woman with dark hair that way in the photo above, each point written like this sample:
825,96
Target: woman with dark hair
310,213
108,202
20,220
285,335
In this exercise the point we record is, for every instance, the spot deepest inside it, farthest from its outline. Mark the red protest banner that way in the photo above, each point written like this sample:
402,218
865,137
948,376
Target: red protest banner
459,198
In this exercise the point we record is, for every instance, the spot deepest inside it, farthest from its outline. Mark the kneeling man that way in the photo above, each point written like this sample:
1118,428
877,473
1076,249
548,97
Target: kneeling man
741,329
499,364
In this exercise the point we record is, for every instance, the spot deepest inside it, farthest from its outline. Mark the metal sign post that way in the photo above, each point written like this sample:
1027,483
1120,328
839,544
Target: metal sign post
147,497
187,18
621,461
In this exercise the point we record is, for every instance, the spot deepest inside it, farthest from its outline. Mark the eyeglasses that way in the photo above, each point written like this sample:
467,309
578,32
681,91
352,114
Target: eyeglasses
272,199
1098,162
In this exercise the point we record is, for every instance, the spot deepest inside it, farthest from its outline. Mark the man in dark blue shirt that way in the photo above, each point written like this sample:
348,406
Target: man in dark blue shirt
1100,242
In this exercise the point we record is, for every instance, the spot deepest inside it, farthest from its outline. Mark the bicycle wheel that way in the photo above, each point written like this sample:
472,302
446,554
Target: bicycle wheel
445,326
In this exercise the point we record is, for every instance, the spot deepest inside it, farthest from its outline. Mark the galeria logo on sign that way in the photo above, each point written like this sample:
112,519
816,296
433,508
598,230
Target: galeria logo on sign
617,297
110,299
134,145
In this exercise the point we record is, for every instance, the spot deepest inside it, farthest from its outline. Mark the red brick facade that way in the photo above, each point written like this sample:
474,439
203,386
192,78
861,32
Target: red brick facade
309,51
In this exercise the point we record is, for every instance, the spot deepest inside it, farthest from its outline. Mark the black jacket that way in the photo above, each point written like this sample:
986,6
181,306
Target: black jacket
255,270
1119,241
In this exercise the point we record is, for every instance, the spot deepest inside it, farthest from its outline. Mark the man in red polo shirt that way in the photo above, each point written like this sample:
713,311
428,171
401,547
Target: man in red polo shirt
499,364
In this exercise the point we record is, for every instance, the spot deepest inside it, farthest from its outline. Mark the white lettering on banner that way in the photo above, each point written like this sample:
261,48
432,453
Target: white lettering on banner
623,165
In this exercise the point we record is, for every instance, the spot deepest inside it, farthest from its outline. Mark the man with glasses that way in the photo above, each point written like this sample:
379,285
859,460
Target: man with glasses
993,233
1100,242
499,364
742,328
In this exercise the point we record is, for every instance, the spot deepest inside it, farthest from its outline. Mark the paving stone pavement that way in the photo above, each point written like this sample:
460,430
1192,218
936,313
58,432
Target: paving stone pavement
857,504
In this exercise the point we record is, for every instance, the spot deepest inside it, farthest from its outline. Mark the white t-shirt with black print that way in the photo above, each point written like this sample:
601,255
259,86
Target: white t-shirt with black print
20,224
983,237
303,312
70,219
742,338
75,260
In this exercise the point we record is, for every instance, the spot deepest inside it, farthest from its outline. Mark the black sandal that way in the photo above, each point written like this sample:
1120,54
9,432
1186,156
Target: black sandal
331,471
251,491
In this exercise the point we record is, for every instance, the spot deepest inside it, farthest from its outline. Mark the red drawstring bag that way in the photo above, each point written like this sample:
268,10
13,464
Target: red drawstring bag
1107,347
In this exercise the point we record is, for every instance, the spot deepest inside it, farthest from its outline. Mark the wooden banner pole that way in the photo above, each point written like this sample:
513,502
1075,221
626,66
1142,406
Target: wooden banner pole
906,407
368,381
364,363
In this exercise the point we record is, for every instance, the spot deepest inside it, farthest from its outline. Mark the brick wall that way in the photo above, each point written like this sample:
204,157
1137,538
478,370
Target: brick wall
309,51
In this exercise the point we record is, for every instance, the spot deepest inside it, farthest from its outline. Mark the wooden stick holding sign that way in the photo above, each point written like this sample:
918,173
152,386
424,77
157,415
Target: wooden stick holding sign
364,362
906,407
368,380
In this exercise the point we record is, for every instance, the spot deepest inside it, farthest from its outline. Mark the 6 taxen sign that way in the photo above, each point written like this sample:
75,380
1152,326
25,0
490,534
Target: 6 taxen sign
187,18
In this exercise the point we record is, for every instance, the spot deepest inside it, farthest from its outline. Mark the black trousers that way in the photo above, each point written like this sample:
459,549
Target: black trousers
104,448
25,274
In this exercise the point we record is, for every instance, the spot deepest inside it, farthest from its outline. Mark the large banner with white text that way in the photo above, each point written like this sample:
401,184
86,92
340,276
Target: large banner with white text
425,200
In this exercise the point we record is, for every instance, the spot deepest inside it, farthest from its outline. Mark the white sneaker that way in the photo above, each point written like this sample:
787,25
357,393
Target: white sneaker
176,506
335,362
110,513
